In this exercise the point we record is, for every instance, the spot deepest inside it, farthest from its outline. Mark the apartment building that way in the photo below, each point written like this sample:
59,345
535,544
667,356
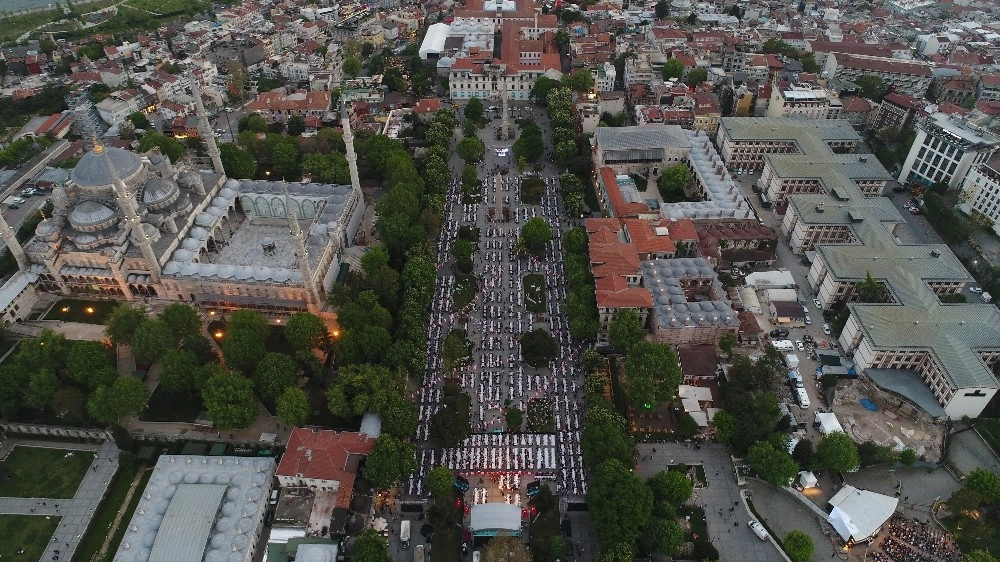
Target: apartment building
946,148
987,87
908,76
803,100
981,192
745,142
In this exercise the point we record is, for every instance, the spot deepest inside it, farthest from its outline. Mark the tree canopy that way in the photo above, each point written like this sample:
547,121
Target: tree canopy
672,181
673,68
389,460
613,482
122,323
237,162
772,465
625,330
606,436
837,452
369,546
292,406
652,373
243,344
229,400
535,234
305,331
125,396
798,546
538,347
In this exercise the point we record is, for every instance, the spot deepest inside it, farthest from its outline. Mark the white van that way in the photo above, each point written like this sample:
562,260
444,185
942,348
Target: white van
802,398
783,345
758,530
404,534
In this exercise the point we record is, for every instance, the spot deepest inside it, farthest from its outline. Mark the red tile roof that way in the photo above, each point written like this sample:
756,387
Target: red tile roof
645,238
618,205
325,455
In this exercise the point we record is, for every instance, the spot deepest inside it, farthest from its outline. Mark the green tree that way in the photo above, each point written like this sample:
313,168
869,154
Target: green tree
978,555
725,426
697,76
237,162
613,481
514,418
579,81
984,483
305,331
809,63
296,125
285,157
369,546
243,344
540,90
872,87
89,363
474,110
389,461
672,487
351,67
357,389
229,400
652,373
870,290
538,347
798,546
292,406
606,436
565,151
453,350
672,181
253,122
535,234
439,483
168,146
139,120
122,323
530,147
662,9
561,38
183,321
449,427
180,372
837,452
727,342
42,386
673,68
125,397
662,535
772,465
151,340
471,149
907,457
275,373
625,330
803,453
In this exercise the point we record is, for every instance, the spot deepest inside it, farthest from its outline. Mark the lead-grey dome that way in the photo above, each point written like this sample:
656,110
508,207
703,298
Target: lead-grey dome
95,168
91,215
157,191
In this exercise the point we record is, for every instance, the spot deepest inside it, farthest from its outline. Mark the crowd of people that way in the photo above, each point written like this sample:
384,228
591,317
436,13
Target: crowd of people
495,376
908,540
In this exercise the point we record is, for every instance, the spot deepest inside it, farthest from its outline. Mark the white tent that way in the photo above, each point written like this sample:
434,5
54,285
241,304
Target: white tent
701,418
699,393
690,405
827,423
858,514
807,479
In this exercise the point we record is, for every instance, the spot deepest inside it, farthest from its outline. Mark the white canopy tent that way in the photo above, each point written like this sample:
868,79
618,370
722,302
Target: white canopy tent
827,423
857,515
807,479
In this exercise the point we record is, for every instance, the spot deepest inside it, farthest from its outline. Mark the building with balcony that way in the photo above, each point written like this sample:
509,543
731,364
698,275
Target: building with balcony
981,192
808,101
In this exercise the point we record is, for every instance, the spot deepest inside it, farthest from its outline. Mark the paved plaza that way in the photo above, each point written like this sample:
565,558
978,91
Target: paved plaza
495,375
727,529
75,514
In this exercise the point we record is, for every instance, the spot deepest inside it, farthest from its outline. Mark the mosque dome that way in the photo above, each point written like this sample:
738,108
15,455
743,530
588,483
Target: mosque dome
90,215
159,191
46,228
95,167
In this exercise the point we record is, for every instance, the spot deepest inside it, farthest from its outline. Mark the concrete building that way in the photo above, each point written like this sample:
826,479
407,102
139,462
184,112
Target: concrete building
808,101
951,348
946,148
897,110
324,460
908,76
645,151
604,77
690,303
746,142
199,508
981,192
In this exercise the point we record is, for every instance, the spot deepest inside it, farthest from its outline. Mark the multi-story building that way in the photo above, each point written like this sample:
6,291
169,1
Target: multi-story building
897,111
644,151
981,192
946,148
604,77
118,106
809,101
908,5
614,263
744,143
913,336
857,111
638,70
908,76
987,87
278,106
690,304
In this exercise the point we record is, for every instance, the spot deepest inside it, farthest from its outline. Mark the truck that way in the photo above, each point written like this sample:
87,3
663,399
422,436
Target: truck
792,360
404,534
418,553
783,345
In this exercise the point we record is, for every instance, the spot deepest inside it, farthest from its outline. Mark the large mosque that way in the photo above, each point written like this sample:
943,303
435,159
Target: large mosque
131,226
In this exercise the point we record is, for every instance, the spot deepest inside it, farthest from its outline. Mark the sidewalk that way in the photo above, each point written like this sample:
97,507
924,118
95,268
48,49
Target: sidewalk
75,514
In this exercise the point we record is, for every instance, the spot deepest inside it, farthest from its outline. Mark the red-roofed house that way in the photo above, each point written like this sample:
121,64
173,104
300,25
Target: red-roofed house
612,198
323,460
615,266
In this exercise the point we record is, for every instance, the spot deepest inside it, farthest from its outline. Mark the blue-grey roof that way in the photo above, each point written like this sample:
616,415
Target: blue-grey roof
95,168
909,385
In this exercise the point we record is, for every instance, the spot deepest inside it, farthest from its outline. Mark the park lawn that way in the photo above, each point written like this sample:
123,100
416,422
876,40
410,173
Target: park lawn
124,521
164,406
534,292
989,430
466,287
36,472
85,312
31,532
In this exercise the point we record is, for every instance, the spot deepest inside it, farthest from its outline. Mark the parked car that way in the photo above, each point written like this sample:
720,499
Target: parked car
826,329
818,304
779,333
799,345
808,320
758,530
976,290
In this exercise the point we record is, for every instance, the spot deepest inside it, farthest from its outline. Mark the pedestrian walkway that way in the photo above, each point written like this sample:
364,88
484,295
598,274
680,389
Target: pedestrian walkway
75,514
725,512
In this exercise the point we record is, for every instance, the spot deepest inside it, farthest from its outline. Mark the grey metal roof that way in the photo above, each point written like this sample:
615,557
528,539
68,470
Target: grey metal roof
909,385
825,209
95,169
671,308
196,508
827,166
187,524
642,137
788,128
